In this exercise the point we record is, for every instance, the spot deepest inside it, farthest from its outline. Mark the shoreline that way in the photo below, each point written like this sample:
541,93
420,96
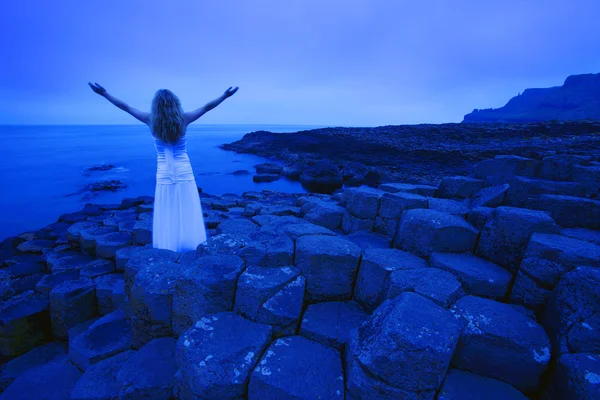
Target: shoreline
422,154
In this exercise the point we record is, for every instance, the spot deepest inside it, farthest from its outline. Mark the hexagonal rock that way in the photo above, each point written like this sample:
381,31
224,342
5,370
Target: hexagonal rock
505,168
423,190
479,216
478,276
87,237
142,231
98,381
225,243
123,255
330,323
570,211
53,380
570,317
150,372
71,303
393,204
505,236
423,232
410,332
106,337
110,293
207,286
500,342
363,202
35,246
97,268
439,286
36,357
217,354
463,385
492,196
351,224
560,167
588,177
546,259
24,323
283,309
67,260
273,250
459,187
268,168
329,265
525,192
589,235
145,258
292,227
375,267
107,245
237,226
151,299
117,219
449,206
576,376
258,284
326,215
286,359
369,240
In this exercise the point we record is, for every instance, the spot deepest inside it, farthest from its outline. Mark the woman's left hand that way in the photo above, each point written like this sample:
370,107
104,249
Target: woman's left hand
98,89
229,92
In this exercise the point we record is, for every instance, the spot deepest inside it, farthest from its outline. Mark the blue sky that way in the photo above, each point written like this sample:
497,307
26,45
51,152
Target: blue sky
323,62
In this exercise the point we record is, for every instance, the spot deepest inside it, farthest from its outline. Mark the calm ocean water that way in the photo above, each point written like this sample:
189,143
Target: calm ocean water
43,165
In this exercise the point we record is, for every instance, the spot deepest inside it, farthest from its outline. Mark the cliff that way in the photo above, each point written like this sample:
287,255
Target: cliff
577,99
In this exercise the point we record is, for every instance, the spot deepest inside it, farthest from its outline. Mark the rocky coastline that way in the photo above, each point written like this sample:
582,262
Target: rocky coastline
329,158
486,285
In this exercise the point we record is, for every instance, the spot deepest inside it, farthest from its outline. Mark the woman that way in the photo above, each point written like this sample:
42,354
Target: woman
178,223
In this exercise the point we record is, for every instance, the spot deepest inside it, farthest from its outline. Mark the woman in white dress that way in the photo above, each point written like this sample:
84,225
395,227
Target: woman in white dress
178,223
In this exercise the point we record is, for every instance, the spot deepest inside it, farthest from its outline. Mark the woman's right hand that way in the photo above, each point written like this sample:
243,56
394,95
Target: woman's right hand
98,89
229,92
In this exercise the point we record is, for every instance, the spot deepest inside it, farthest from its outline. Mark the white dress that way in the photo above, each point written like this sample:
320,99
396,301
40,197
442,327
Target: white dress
178,223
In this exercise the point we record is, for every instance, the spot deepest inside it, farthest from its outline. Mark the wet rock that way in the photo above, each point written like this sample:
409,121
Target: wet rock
288,358
265,178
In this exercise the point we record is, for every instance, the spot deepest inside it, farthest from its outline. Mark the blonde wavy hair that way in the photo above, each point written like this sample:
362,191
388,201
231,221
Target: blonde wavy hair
166,117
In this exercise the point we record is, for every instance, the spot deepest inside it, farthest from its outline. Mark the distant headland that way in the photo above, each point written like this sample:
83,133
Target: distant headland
577,99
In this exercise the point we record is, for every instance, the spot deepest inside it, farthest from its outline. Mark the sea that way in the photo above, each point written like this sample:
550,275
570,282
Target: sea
44,169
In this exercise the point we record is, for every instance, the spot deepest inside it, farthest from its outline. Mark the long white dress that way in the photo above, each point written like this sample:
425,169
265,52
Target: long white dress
178,223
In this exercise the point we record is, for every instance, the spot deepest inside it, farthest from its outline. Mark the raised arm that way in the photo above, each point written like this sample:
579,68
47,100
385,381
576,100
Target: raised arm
140,115
191,116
